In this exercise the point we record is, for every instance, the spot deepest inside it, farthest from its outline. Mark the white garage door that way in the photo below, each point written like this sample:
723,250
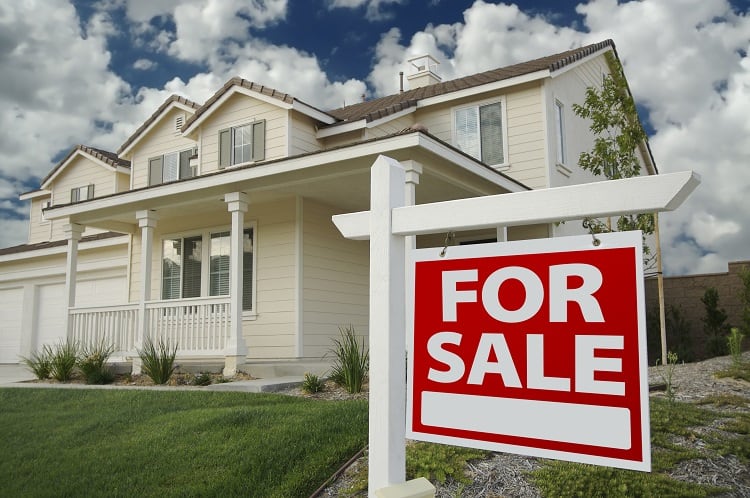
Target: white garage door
50,315
11,311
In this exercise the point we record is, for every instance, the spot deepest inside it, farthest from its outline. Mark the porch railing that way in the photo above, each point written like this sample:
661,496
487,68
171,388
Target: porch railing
197,326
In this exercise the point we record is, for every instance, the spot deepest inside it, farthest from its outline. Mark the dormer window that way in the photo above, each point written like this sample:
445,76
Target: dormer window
242,144
79,194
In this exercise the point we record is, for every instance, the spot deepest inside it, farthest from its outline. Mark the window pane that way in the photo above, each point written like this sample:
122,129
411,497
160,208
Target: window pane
247,269
243,145
219,269
191,273
171,268
491,119
467,131
171,167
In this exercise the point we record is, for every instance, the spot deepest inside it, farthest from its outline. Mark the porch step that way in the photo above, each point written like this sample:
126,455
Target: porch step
268,385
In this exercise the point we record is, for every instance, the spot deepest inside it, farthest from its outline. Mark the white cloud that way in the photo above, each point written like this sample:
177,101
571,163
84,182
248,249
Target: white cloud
375,10
14,232
144,64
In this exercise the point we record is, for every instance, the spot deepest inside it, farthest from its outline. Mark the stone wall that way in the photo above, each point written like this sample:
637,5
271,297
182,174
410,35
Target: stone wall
685,293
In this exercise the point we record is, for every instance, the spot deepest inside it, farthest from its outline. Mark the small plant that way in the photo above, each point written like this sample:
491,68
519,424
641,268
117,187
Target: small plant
352,361
158,360
440,462
312,384
63,360
667,375
93,364
201,379
714,323
734,341
40,363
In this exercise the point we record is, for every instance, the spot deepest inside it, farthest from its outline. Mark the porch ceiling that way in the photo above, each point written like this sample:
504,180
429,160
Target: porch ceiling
339,178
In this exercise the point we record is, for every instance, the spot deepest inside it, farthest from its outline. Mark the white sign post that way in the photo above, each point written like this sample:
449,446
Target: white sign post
389,222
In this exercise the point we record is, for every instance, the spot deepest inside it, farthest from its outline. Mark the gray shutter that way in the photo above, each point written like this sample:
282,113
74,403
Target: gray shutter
225,148
73,195
155,167
259,140
90,191
185,170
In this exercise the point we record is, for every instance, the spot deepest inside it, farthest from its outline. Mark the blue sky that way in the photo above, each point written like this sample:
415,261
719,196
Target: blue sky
90,72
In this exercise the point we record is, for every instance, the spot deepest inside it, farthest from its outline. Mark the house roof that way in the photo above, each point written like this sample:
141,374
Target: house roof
105,156
172,100
55,243
384,106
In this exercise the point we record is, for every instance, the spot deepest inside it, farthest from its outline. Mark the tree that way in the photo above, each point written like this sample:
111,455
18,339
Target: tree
745,299
614,122
714,323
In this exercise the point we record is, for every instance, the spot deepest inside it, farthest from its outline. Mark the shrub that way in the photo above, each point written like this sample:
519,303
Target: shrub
312,384
351,362
40,363
201,379
734,341
714,323
745,298
158,360
93,363
63,360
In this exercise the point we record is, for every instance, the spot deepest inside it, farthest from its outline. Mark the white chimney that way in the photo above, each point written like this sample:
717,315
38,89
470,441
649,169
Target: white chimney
423,71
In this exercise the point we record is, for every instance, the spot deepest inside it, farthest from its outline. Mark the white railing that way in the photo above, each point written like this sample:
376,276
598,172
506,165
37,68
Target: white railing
113,325
197,326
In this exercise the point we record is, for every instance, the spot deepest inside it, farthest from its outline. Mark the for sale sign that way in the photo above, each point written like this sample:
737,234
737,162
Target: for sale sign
533,347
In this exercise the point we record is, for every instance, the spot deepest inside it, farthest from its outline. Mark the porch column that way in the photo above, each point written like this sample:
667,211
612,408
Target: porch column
236,350
73,233
413,171
147,222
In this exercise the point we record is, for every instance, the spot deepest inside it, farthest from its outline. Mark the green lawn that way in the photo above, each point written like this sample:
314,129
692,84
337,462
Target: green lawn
70,442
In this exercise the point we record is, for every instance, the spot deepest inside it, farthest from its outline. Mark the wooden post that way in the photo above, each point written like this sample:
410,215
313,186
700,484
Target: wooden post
387,430
660,284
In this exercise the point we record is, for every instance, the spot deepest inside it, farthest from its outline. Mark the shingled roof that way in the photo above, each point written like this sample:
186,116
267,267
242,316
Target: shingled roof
107,157
154,116
378,108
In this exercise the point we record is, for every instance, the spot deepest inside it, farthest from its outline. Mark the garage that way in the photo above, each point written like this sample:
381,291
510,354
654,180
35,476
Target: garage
11,316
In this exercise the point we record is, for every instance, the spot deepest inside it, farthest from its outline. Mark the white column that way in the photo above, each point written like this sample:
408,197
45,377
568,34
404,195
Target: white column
387,428
73,233
236,350
502,234
147,222
413,170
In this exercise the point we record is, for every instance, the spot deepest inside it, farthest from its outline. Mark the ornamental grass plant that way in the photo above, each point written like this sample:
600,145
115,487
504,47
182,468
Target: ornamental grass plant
158,360
351,360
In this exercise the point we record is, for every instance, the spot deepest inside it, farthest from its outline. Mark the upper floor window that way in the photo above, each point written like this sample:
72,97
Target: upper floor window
79,194
242,144
186,266
170,167
479,132
44,205
560,131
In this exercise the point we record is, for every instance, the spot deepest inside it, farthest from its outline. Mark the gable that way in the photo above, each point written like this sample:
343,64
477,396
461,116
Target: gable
173,107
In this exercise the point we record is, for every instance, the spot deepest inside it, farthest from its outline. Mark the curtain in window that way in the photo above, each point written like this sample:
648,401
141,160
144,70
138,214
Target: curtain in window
219,264
171,268
491,130
247,269
191,271
467,128
171,167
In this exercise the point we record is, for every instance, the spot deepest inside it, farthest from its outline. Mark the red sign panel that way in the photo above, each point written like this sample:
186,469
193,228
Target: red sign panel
532,347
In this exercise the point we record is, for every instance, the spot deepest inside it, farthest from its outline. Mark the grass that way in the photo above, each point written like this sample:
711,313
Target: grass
185,443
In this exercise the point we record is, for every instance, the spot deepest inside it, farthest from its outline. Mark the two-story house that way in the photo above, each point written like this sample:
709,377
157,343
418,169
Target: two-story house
211,225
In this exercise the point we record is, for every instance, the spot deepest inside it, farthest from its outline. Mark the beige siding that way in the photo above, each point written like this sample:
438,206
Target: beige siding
163,138
343,139
335,281
81,172
241,109
526,137
40,230
390,127
437,118
302,138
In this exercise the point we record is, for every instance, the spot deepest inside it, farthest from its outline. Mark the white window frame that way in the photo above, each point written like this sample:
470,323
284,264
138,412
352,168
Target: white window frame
504,116
193,151
256,155
205,235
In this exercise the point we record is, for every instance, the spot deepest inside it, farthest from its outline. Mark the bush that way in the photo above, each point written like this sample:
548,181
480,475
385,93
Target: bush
734,341
93,364
201,379
352,361
40,363
158,360
63,360
312,384
714,323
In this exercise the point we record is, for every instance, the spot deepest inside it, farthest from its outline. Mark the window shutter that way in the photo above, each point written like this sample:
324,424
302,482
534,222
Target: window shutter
73,195
225,148
171,170
90,191
259,140
185,170
247,269
491,131
155,167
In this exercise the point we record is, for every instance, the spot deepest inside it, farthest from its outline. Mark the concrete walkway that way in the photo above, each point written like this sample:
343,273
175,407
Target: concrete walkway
17,375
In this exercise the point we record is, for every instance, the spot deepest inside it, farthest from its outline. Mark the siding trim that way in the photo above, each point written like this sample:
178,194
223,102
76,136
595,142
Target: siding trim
299,230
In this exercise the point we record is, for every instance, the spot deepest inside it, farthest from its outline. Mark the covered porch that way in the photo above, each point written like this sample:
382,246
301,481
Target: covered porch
223,327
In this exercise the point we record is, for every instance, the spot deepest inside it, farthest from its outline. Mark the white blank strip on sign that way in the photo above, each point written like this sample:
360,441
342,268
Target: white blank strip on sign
603,426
